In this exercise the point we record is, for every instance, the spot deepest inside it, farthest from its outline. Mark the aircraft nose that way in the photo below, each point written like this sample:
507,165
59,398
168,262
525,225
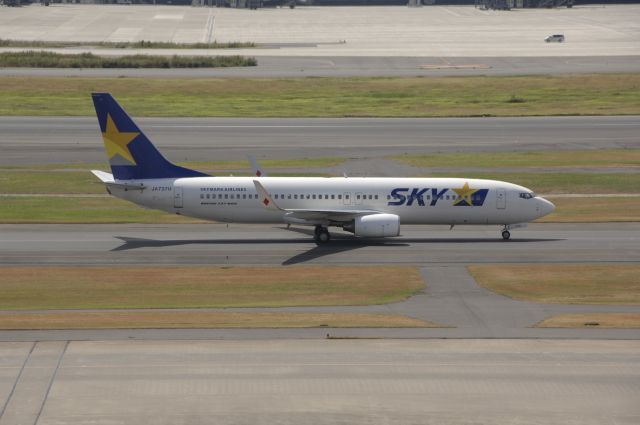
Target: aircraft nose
545,207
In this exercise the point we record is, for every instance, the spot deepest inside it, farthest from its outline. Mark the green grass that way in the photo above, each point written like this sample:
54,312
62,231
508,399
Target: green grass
77,179
562,283
79,210
41,209
559,183
38,59
49,182
593,210
142,44
607,158
16,181
118,287
591,94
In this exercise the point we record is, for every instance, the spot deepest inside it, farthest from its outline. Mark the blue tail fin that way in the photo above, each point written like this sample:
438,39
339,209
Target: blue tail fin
131,154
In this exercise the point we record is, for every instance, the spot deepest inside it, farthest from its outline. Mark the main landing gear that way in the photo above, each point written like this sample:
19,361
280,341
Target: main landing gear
506,234
321,235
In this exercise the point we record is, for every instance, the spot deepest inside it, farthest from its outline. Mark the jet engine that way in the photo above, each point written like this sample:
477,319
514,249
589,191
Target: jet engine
374,226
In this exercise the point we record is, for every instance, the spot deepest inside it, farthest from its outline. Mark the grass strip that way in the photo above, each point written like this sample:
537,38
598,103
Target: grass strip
593,210
43,209
605,158
593,320
561,183
39,59
25,181
142,44
183,320
584,94
76,178
40,209
562,283
39,288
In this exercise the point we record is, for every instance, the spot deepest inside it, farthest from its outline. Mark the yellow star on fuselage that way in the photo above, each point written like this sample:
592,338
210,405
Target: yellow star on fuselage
465,193
116,142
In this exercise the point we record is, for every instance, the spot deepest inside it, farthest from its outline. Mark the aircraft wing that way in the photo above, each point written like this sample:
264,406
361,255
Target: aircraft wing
309,214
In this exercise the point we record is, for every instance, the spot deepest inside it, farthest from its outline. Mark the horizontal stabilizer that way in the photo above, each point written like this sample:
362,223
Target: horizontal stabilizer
108,180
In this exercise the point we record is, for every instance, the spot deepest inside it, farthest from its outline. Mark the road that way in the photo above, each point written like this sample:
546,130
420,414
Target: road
28,140
345,66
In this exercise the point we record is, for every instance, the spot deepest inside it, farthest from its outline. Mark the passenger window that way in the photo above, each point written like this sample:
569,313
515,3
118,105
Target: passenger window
376,197
339,196
314,196
388,197
346,196
326,196
295,196
201,196
289,196
333,196
357,196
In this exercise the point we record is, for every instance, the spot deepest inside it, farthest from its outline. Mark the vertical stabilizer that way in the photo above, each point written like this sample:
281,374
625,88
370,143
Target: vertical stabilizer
131,154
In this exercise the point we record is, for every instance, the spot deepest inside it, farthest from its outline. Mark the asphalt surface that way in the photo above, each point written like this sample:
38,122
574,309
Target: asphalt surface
338,66
452,297
435,31
321,382
217,244
25,140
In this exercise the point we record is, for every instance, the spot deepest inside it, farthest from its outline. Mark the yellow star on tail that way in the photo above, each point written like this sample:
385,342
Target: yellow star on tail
464,193
116,142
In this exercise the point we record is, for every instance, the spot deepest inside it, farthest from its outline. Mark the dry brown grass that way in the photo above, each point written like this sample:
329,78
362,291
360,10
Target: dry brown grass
195,319
25,288
563,283
593,320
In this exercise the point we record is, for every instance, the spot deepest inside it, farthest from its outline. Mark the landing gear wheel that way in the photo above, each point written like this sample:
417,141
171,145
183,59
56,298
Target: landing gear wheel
506,235
322,235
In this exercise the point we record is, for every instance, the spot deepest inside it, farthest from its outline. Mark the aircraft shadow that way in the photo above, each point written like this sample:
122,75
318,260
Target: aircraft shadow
339,243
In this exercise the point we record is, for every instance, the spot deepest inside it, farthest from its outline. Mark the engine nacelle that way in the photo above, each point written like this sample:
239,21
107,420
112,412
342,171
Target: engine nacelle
375,226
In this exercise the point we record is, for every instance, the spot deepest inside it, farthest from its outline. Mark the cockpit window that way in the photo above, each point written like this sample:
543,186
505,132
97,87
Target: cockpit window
526,195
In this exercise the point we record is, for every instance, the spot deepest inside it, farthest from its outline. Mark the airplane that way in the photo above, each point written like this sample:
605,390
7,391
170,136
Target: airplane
367,207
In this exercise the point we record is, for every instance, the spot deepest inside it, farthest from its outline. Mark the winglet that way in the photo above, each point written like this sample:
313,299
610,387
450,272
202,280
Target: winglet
265,198
257,169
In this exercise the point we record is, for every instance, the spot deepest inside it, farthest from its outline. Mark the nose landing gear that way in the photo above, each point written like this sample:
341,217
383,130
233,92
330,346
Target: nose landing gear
506,235
321,235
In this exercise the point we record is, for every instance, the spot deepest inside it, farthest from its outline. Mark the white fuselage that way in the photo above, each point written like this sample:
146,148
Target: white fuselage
414,200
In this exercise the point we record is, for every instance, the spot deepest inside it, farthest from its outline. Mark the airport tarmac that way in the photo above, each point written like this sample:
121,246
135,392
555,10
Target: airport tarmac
442,382
435,31
29,140
345,66
240,244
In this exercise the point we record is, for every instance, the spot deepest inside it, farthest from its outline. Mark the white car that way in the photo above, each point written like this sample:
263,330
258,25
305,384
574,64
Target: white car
558,38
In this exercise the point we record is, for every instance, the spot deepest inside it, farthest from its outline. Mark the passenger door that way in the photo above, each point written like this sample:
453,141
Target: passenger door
501,199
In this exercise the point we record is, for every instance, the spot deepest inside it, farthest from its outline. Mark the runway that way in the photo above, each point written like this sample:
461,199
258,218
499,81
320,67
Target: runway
217,244
452,299
321,382
28,140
